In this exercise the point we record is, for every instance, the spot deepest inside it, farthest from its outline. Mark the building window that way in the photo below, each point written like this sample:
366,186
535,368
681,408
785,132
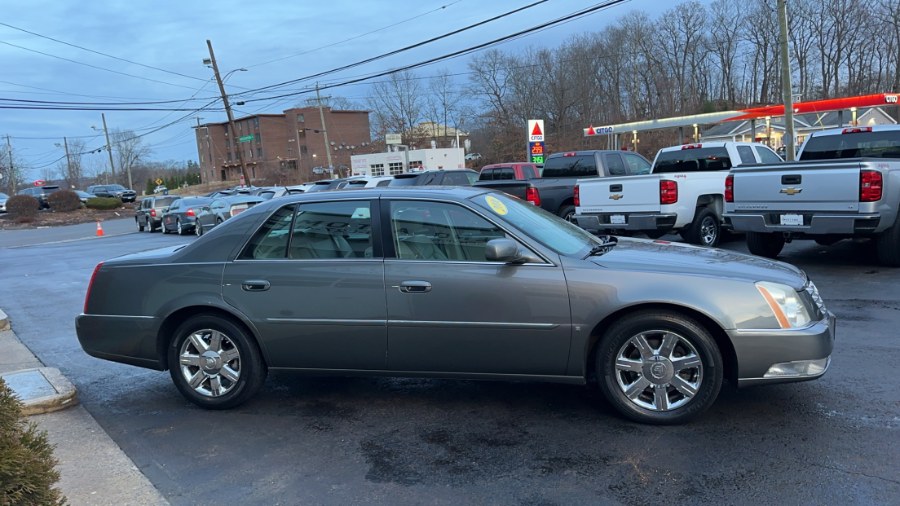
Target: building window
256,123
377,169
303,150
259,152
290,150
258,137
300,118
394,168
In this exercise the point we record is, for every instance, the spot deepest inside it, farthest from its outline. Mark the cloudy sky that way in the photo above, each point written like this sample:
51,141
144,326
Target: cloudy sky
63,55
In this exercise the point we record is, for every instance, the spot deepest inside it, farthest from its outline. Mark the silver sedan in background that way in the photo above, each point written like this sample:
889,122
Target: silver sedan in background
454,283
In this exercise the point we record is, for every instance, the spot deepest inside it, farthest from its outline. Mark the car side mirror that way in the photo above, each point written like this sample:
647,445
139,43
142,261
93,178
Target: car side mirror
504,250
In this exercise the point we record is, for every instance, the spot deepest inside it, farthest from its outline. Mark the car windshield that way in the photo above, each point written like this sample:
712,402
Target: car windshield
542,226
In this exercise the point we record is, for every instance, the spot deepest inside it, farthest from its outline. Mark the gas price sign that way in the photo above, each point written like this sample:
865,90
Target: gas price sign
536,152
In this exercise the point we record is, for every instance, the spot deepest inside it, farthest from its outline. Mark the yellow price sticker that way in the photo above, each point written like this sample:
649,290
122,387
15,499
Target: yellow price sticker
496,205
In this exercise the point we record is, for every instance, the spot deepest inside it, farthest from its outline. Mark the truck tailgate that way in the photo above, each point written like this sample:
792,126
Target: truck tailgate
619,194
797,187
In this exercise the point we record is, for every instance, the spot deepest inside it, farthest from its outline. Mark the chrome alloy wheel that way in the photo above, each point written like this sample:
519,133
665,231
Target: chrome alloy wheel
210,362
659,370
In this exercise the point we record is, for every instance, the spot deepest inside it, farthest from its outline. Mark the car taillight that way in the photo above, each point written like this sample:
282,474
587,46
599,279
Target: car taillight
729,188
533,195
577,196
153,213
870,186
668,192
190,212
87,296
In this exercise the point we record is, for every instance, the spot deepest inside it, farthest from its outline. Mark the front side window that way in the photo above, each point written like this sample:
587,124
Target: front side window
614,164
767,155
637,165
438,231
746,154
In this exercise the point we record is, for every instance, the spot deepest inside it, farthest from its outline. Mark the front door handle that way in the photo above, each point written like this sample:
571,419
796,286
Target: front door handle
414,287
255,285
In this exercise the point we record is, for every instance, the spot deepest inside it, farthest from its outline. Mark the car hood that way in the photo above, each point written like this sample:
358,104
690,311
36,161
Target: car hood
676,258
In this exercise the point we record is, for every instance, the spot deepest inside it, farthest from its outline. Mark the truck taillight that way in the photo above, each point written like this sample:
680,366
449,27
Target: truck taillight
577,196
856,130
870,186
692,146
153,213
668,192
729,188
87,295
533,195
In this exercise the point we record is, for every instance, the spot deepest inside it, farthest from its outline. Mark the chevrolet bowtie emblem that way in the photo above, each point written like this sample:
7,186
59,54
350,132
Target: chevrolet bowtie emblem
615,196
791,190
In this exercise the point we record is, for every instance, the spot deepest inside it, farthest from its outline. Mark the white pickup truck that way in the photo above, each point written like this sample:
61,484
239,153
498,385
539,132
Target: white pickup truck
846,184
683,193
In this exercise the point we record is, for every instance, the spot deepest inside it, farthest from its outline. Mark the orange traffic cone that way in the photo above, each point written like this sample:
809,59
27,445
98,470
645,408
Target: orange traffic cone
99,230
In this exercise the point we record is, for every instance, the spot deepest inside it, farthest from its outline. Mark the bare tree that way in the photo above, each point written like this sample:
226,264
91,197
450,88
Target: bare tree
128,151
397,103
71,170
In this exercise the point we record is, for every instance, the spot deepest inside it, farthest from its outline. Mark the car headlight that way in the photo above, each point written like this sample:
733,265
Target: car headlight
786,304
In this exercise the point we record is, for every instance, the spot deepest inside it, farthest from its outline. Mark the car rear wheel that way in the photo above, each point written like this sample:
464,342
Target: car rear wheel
704,230
139,225
214,363
765,245
198,229
659,367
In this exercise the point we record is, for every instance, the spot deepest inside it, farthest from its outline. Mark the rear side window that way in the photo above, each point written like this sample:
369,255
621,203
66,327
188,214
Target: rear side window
486,175
881,144
570,166
637,165
692,160
746,154
528,172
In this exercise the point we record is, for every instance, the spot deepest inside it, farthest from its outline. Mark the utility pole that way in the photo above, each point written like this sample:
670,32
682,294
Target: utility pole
11,173
68,159
324,131
786,88
112,166
234,138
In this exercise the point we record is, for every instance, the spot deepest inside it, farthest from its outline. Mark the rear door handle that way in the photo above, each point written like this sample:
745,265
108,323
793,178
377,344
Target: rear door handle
255,285
414,287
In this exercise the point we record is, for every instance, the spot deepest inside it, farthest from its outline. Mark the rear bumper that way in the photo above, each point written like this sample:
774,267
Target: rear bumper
813,223
633,221
784,356
125,339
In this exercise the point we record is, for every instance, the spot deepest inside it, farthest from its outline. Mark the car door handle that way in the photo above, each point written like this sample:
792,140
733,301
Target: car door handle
255,285
615,187
414,287
791,179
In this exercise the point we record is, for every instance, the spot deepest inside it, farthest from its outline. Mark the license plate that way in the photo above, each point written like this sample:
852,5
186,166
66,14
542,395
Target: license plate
792,219
617,219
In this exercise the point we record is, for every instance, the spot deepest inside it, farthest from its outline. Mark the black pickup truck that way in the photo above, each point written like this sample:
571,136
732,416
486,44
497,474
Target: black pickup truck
554,191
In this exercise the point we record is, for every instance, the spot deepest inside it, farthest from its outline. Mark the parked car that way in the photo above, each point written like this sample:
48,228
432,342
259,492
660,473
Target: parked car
83,196
684,192
149,213
40,193
843,186
471,157
417,282
448,177
270,192
505,171
221,209
369,182
3,198
113,190
161,189
300,188
181,215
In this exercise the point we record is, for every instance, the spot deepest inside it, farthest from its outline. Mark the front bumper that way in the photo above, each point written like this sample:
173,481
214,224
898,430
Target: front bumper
783,356
633,221
813,223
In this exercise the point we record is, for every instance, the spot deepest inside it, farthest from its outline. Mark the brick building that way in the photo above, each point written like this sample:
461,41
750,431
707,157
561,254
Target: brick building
282,148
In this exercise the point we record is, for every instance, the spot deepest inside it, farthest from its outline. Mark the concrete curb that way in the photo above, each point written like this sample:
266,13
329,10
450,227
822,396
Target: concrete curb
4,321
41,390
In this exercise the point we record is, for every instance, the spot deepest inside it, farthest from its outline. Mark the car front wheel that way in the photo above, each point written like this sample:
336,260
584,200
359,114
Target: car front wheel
214,363
198,229
178,227
659,367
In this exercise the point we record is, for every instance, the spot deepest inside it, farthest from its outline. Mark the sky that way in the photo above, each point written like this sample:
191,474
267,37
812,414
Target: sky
149,55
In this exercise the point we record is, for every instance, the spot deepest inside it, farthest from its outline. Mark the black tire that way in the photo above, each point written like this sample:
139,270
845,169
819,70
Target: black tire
655,234
705,230
663,393
152,227
887,245
765,245
198,228
566,212
139,225
234,365
178,229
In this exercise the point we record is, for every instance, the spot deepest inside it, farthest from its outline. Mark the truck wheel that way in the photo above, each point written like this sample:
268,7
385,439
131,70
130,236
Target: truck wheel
887,245
705,230
765,245
567,213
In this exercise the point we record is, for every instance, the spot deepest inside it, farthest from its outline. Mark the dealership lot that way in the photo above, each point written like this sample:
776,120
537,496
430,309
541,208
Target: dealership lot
403,441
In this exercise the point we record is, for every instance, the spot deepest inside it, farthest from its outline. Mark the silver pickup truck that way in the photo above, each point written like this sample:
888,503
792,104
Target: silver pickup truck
846,184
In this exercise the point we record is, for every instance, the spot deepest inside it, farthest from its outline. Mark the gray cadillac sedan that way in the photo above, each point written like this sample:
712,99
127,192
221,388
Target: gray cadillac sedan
454,283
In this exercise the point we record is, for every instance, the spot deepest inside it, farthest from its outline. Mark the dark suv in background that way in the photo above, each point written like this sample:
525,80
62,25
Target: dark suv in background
150,213
113,190
40,193
450,177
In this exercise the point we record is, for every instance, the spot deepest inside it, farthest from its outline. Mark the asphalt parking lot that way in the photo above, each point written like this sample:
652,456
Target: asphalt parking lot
412,441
